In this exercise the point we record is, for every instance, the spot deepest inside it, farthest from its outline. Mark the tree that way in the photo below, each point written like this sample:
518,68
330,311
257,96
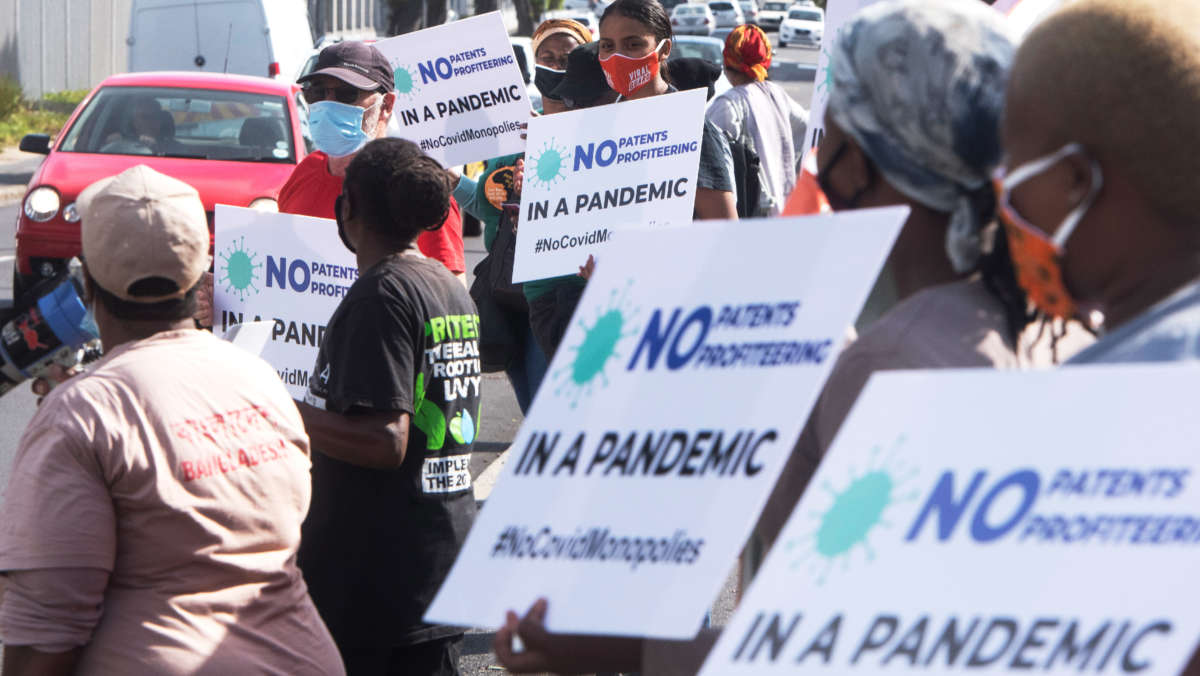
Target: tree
407,16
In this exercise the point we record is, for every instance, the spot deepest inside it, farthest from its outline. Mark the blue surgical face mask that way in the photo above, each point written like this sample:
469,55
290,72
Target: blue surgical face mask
337,127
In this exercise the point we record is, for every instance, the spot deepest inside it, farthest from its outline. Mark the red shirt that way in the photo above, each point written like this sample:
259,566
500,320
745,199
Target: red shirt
311,191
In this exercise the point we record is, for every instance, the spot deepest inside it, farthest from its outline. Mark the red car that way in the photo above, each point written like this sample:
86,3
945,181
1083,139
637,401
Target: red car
235,138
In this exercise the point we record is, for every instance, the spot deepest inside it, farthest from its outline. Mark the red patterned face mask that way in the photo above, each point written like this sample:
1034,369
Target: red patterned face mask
626,75
1036,256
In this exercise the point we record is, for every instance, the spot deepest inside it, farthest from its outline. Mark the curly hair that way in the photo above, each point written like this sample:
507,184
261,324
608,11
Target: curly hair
397,190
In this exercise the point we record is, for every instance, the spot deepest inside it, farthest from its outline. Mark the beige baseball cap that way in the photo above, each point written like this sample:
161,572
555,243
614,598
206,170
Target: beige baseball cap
141,224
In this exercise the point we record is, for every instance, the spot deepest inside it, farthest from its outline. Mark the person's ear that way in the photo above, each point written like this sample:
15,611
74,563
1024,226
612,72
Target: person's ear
1077,177
855,168
666,50
389,102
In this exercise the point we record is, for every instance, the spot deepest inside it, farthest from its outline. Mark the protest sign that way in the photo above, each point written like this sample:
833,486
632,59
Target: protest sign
292,270
984,520
460,94
663,421
837,12
593,172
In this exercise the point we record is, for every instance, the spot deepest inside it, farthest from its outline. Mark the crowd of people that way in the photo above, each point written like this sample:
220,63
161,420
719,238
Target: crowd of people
173,511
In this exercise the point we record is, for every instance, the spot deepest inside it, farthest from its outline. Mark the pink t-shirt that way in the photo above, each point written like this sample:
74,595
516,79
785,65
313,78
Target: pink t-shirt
179,464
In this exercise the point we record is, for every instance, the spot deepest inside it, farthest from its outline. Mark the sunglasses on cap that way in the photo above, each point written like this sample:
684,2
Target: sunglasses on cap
341,94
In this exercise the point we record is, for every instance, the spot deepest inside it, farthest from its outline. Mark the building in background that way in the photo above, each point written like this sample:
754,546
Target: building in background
56,45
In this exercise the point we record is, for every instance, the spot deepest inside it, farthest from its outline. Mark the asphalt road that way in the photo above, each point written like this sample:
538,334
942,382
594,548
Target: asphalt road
793,68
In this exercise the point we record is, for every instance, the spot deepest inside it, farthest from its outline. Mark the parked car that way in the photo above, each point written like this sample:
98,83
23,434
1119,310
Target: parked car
693,19
268,38
727,13
749,11
235,138
585,17
803,25
709,49
771,14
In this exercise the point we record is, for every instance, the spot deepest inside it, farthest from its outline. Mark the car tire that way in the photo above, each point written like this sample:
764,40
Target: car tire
782,42
20,285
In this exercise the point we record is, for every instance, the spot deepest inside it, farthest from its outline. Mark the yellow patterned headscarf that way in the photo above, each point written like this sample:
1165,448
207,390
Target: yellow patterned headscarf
748,51
560,26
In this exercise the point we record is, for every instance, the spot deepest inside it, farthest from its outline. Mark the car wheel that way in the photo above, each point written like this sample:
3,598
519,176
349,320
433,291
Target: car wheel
20,285
782,42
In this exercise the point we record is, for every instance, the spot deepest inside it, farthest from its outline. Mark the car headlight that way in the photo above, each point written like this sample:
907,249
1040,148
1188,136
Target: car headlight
71,213
265,204
42,204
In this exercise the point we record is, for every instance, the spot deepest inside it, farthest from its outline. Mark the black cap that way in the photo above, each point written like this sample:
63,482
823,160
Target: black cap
355,63
693,73
584,81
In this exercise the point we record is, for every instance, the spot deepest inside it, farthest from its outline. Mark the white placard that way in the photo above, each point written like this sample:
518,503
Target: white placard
837,12
990,522
590,173
663,421
292,270
460,94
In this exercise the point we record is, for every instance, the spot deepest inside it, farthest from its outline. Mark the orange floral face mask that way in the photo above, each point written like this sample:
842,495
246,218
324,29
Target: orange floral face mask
1036,256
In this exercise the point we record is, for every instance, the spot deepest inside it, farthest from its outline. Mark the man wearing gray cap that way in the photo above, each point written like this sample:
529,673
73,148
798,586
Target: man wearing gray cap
153,512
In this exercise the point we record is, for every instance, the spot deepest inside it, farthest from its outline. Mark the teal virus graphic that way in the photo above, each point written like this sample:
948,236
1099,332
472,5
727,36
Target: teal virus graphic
826,84
241,269
597,347
855,513
406,81
550,165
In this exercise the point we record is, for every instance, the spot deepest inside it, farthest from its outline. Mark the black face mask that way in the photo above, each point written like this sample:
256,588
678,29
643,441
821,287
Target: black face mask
337,215
547,79
836,201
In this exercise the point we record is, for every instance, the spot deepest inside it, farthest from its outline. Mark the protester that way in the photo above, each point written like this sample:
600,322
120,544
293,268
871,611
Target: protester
760,114
1101,196
898,131
154,506
350,94
393,410
635,40
552,301
552,42
693,72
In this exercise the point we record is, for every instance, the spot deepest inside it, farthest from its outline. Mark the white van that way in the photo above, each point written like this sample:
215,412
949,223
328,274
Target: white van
250,37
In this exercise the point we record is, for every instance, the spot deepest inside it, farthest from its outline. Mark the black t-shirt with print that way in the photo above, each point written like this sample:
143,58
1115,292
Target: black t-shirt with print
377,543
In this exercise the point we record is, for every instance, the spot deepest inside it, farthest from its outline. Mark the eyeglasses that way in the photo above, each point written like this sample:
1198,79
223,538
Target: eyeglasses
317,93
552,61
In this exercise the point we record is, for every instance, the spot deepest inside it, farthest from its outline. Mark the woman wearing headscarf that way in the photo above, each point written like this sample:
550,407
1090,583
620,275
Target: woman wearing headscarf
760,114
482,198
914,119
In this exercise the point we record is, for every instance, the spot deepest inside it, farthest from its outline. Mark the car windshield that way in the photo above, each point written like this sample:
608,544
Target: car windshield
804,15
204,124
686,49
721,6
775,6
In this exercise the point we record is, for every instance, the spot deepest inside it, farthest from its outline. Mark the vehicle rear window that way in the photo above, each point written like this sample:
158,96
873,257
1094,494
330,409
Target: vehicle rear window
804,15
179,122
688,9
721,6
775,6
695,50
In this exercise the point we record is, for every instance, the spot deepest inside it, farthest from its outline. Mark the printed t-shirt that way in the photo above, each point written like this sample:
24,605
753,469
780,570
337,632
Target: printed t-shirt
1168,331
378,543
311,191
178,465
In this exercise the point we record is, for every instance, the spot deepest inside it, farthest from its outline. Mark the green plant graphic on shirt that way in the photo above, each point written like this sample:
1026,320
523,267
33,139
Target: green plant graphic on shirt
597,348
240,269
856,511
462,427
428,418
549,165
